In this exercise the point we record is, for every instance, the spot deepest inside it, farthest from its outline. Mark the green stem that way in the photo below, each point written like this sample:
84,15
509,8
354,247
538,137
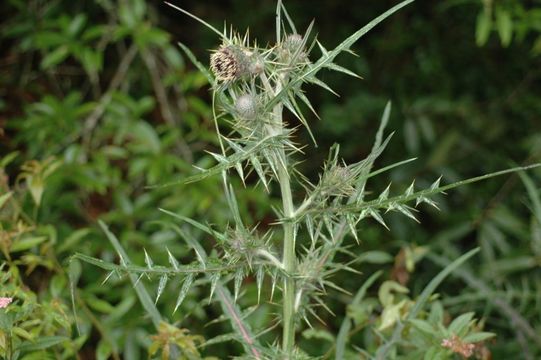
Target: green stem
288,339
288,260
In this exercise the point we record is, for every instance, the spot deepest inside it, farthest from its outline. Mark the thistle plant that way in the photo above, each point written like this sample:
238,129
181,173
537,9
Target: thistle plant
253,88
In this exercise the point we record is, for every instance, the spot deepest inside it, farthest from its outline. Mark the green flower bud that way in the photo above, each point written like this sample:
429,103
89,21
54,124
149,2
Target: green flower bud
246,106
291,51
338,181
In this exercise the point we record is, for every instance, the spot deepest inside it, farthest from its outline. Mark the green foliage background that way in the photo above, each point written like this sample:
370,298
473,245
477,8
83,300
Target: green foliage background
99,95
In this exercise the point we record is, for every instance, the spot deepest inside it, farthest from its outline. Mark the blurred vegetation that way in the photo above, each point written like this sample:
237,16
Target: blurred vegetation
98,106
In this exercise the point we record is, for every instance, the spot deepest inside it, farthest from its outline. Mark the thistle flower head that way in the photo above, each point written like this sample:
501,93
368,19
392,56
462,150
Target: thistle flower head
229,63
292,51
337,181
240,243
293,42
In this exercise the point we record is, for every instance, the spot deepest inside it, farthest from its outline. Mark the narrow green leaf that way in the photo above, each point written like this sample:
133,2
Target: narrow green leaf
504,24
27,243
423,326
202,68
459,326
478,337
41,343
55,57
483,28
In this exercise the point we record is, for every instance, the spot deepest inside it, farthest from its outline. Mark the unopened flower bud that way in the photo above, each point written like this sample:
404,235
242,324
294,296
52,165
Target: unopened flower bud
293,42
246,107
291,50
337,181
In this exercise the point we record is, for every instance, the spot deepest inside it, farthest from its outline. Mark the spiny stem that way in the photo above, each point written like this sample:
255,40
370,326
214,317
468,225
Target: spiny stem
288,261
288,339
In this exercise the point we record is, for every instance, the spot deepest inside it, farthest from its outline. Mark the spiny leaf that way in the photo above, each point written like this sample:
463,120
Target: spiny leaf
329,57
203,69
174,263
196,224
107,277
220,339
410,189
352,227
385,194
239,276
142,293
213,283
424,199
218,157
260,274
341,69
288,18
199,20
248,340
231,161
402,199
324,51
186,285
376,216
406,211
148,260
156,270
259,170
274,276
436,184
321,84
161,287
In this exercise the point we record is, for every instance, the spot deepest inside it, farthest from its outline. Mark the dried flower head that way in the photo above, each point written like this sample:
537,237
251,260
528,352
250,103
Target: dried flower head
458,346
229,63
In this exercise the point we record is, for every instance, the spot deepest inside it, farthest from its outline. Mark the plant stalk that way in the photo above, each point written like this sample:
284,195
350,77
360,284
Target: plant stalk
288,336
288,260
